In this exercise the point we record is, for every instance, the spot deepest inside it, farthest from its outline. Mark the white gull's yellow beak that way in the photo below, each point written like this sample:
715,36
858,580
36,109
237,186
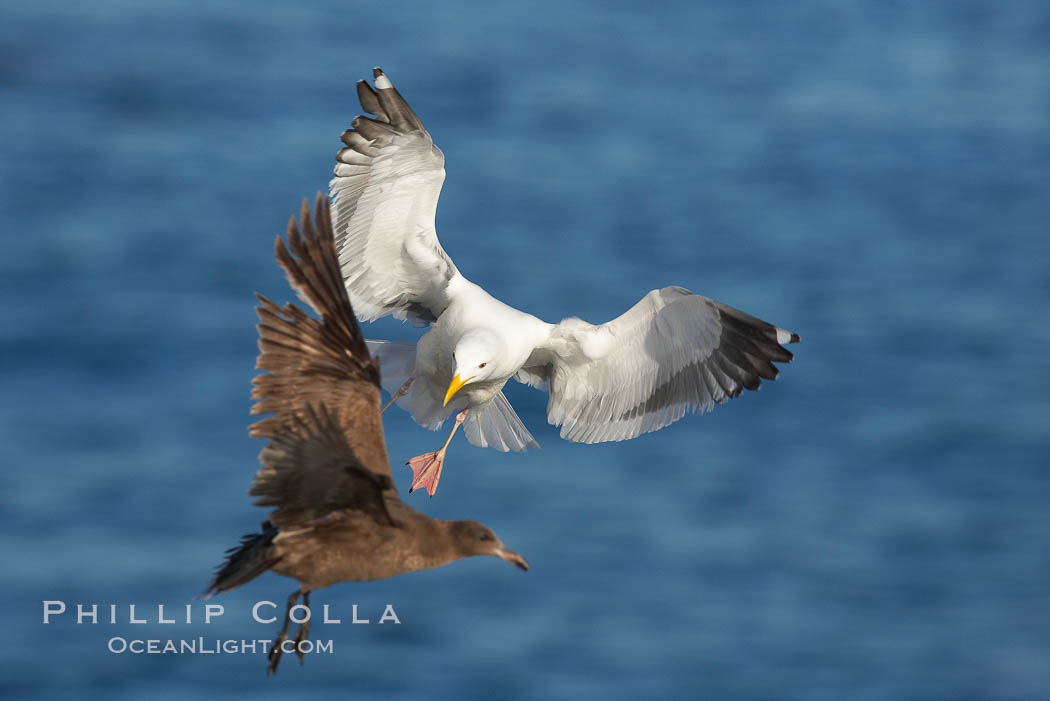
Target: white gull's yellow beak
455,386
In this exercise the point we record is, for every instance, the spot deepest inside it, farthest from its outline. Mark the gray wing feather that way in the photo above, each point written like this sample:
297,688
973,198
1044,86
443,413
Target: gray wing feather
671,353
384,198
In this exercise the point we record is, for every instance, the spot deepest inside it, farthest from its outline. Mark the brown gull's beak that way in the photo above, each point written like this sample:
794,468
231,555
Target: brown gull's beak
512,557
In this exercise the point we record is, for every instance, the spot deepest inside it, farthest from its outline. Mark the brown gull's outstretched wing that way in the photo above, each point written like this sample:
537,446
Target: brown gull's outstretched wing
320,381
310,471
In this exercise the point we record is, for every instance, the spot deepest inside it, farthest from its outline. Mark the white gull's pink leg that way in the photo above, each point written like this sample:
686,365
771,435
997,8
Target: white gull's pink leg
426,468
401,391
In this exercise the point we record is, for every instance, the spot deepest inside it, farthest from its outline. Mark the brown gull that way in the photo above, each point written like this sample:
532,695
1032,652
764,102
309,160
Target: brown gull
336,513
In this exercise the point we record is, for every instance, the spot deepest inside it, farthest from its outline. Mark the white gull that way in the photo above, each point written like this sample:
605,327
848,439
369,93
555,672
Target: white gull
672,352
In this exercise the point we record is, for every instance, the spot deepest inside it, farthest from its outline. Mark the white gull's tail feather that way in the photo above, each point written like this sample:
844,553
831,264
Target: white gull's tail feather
495,425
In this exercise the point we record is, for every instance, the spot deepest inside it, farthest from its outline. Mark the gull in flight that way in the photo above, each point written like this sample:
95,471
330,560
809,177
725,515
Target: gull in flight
336,516
672,352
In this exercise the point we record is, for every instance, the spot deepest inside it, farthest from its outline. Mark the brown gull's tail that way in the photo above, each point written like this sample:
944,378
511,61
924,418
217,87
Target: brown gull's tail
245,562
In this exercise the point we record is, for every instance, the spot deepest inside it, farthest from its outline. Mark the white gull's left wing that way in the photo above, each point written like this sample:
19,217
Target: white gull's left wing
670,353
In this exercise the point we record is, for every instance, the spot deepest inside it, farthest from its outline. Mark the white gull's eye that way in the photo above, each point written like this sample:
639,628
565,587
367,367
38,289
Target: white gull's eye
482,365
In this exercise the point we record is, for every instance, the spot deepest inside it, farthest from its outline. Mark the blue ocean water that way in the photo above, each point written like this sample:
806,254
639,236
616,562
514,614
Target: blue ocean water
872,175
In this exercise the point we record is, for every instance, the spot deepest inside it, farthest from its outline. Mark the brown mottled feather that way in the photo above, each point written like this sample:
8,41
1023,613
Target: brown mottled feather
311,362
309,470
